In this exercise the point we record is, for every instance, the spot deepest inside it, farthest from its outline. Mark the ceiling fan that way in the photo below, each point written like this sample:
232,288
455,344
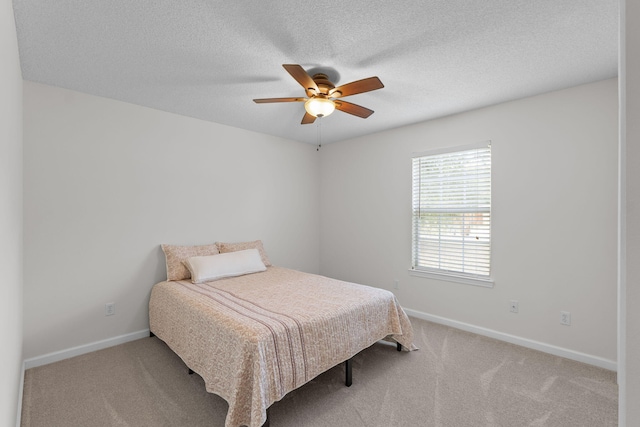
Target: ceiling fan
322,95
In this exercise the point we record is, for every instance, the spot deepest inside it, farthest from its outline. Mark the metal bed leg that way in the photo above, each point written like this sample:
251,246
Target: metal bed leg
399,347
190,371
151,334
347,380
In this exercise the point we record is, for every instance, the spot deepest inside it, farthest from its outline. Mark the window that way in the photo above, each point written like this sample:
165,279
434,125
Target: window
452,213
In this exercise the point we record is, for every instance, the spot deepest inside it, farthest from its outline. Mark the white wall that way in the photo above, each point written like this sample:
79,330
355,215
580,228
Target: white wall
629,292
554,193
10,216
105,183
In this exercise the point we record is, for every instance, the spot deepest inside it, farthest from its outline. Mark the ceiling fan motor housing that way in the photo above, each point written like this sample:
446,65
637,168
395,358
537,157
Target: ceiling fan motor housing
323,83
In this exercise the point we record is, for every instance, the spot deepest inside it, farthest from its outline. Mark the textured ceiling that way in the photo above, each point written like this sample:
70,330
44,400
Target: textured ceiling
209,59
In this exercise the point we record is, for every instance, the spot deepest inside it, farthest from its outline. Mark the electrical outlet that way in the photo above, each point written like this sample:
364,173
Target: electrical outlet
513,306
565,318
396,284
110,309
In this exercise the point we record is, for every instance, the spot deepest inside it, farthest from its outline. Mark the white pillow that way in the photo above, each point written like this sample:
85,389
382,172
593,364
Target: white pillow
213,267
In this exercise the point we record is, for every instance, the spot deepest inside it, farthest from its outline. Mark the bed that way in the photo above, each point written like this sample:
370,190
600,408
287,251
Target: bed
255,337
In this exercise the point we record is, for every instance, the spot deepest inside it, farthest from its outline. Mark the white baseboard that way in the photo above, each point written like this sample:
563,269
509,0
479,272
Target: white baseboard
83,349
524,342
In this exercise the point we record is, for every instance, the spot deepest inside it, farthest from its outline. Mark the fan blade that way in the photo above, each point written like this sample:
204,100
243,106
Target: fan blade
307,119
359,86
354,109
301,76
267,100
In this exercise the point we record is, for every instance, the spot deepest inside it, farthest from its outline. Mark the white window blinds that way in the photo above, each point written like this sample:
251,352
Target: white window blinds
452,211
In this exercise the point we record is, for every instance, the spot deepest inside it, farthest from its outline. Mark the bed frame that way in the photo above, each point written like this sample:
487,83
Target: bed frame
257,324
348,381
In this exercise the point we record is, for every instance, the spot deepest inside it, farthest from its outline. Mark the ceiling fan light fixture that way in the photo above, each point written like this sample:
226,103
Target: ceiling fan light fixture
319,106
321,94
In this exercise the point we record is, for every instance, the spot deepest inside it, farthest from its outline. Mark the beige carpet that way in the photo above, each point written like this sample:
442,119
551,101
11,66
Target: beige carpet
456,379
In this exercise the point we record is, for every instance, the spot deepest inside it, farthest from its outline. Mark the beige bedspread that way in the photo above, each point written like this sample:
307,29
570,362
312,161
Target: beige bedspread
254,338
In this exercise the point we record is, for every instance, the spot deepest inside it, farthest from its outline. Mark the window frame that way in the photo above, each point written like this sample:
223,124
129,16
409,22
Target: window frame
442,274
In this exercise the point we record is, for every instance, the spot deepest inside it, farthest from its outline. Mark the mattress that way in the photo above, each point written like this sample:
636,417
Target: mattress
256,337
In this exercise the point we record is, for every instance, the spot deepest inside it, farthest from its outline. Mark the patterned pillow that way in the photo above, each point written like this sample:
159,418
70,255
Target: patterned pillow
175,255
240,246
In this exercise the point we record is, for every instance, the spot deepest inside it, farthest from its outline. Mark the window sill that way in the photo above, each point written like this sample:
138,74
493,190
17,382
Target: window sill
451,277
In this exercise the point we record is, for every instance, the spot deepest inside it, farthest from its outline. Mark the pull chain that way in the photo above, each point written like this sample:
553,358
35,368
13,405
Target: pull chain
319,128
